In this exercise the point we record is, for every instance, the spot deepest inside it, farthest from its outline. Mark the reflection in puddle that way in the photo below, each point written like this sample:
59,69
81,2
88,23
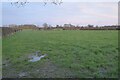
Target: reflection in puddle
35,57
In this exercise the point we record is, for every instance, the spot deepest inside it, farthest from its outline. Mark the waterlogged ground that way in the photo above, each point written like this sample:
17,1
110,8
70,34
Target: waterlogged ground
73,54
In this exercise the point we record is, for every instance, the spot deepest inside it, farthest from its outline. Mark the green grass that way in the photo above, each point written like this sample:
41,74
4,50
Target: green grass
0,54
84,53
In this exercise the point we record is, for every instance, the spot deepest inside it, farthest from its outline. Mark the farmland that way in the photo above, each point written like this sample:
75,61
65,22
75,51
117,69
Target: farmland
70,53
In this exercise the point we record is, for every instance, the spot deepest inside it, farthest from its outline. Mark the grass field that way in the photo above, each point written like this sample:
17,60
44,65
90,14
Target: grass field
0,53
72,53
0,57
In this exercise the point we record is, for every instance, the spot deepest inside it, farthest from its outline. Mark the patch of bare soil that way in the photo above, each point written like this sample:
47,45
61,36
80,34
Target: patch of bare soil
47,70
8,71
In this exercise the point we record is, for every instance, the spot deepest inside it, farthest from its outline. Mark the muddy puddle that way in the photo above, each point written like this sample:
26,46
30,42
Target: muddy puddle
37,56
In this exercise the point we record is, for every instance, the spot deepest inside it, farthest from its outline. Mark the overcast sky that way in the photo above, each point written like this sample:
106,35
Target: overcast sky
77,13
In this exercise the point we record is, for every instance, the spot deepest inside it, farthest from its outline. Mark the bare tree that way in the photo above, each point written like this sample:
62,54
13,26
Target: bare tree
20,3
45,26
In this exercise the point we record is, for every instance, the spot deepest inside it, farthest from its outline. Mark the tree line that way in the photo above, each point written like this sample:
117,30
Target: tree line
46,26
10,29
